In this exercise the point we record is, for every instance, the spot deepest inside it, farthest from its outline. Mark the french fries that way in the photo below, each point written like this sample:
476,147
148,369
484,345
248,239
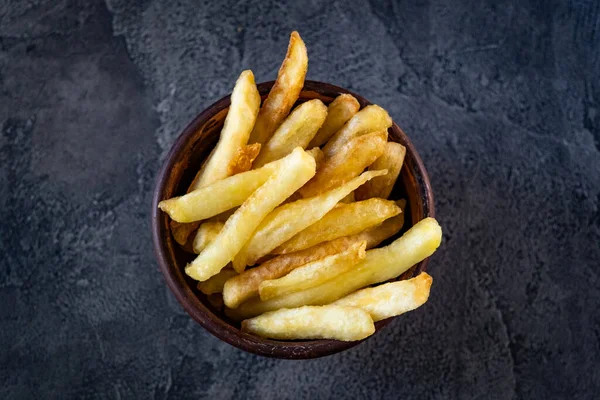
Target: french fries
304,193
370,119
313,274
383,231
338,113
346,220
289,219
215,284
230,154
296,169
325,322
391,299
392,160
284,92
243,159
245,103
245,286
347,163
207,232
296,130
219,196
380,265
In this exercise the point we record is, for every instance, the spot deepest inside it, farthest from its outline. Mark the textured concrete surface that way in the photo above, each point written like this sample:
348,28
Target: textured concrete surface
502,101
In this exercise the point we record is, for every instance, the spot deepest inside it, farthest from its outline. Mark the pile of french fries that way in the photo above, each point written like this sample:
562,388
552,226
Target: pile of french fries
286,214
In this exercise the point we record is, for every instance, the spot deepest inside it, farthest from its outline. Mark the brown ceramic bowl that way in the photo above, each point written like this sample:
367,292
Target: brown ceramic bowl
183,161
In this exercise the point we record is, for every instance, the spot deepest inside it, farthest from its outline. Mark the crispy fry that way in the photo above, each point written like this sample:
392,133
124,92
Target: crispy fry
243,159
284,92
207,232
317,154
219,196
325,322
346,220
338,113
223,160
347,163
390,299
245,103
191,226
244,286
287,220
215,284
386,229
391,159
296,169
313,274
380,265
296,130
370,119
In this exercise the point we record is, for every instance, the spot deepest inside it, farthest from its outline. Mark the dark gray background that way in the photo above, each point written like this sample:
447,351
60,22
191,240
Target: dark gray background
502,102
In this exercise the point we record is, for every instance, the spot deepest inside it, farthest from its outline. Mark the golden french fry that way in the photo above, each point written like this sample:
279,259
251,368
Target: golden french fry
380,265
296,130
317,154
222,161
386,229
244,286
243,159
219,196
392,160
347,163
325,322
338,113
284,92
370,119
186,229
390,299
313,274
245,103
287,220
216,283
296,169
346,220
207,232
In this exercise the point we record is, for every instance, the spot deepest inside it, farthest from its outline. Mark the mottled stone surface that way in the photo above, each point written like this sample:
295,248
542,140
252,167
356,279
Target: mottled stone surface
503,103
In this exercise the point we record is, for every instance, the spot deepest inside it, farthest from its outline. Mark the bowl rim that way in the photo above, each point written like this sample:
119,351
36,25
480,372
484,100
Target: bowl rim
186,297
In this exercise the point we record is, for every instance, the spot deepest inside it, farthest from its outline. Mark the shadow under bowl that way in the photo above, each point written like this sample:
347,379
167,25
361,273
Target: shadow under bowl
177,172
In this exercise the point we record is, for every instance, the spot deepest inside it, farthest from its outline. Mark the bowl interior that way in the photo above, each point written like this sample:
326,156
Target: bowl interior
178,171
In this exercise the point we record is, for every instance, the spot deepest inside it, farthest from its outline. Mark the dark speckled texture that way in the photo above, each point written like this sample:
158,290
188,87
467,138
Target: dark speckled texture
503,103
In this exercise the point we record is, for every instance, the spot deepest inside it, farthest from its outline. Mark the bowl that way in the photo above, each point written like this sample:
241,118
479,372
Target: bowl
177,172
